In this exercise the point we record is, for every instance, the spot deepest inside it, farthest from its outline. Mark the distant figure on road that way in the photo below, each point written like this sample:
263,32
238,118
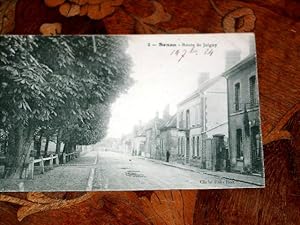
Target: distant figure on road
168,156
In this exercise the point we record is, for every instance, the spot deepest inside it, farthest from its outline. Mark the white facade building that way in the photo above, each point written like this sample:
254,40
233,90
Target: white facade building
200,116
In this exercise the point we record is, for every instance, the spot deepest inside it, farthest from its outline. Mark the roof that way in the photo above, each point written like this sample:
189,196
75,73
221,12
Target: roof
156,121
203,87
139,131
240,65
171,123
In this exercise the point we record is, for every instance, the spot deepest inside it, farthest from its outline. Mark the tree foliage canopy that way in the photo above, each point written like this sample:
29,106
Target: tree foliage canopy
62,83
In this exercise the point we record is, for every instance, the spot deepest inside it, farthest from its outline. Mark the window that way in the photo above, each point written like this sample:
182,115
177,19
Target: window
187,118
237,93
193,145
252,90
194,122
182,146
239,141
198,146
181,120
198,118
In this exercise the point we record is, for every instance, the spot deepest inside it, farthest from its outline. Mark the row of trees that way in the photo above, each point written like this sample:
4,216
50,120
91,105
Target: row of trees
57,87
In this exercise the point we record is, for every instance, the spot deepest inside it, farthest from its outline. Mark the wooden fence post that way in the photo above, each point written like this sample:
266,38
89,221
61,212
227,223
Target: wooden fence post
42,164
51,161
57,160
64,158
30,168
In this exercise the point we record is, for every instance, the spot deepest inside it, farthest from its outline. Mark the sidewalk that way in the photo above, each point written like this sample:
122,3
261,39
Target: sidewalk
75,175
250,179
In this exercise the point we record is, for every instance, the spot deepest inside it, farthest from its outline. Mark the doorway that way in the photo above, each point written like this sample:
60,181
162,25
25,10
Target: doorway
256,148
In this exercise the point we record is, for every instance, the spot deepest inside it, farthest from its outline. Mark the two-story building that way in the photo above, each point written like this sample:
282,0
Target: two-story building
127,144
168,139
152,141
138,140
243,117
200,117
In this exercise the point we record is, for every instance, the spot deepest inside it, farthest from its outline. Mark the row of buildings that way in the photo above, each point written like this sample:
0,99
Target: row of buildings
216,127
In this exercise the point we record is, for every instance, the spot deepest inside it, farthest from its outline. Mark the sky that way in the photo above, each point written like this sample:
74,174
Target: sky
165,75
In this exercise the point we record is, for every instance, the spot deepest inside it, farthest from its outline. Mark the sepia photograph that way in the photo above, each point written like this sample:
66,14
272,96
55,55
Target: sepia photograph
129,112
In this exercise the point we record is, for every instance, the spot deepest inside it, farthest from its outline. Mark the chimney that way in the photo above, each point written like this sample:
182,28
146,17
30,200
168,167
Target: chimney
135,130
166,113
204,76
232,57
156,115
252,45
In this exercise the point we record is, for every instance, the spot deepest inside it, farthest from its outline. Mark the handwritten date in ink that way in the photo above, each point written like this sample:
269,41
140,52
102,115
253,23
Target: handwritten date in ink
182,53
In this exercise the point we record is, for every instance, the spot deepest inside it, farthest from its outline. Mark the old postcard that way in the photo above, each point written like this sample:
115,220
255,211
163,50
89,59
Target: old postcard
129,112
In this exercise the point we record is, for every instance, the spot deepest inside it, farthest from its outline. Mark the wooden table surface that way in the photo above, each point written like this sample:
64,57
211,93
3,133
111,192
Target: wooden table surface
276,24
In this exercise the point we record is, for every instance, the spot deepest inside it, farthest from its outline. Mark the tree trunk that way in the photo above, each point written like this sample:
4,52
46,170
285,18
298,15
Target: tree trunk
67,147
58,142
27,147
46,146
39,145
73,148
19,141
14,150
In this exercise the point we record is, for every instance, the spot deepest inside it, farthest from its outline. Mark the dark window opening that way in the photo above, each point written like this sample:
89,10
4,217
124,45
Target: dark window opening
182,146
237,93
198,146
252,90
239,141
193,146
187,118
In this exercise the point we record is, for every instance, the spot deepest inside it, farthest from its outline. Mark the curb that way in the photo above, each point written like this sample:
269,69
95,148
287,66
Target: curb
90,180
203,171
